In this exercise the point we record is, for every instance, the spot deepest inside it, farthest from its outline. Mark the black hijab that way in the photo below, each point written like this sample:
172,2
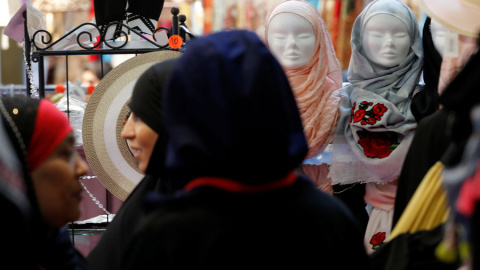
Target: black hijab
234,116
425,102
146,103
19,127
15,204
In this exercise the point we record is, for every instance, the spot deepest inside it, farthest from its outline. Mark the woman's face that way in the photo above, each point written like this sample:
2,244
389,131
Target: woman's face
141,140
291,39
57,186
385,41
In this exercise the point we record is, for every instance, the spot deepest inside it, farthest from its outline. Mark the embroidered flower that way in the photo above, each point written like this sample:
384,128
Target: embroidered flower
371,121
366,116
379,109
366,103
378,239
358,115
377,144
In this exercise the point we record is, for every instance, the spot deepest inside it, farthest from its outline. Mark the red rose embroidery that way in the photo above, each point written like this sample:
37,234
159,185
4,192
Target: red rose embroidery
352,112
378,239
371,121
366,116
358,115
375,145
379,109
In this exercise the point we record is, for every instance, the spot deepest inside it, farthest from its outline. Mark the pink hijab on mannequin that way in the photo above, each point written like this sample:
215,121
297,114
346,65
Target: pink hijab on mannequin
316,83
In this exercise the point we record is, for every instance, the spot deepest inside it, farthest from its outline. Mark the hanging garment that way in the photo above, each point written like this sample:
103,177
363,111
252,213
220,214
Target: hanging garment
416,236
425,101
138,14
442,135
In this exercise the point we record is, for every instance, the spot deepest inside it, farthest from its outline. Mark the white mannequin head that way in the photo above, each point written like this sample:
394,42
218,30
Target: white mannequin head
385,41
438,32
291,39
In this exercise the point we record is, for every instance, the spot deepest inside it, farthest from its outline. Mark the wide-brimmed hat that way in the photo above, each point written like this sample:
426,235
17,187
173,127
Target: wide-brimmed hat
461,16
107,153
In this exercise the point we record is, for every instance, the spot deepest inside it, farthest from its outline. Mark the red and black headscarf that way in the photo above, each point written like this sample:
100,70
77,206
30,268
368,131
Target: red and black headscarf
41,126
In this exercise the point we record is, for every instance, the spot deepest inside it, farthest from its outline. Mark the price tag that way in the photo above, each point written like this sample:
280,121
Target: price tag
175,41
451,45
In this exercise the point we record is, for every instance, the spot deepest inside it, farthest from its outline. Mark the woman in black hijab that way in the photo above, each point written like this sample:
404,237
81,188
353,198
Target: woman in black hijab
235,137
147,110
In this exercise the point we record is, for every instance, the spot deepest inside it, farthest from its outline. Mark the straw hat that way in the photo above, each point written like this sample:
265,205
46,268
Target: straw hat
461,16
107,153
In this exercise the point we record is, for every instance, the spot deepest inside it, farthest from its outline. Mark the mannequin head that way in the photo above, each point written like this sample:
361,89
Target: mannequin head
385,41
406,53
291,39
297,36
438,32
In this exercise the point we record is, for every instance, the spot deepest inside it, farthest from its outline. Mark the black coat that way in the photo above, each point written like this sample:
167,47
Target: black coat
107,252
297,227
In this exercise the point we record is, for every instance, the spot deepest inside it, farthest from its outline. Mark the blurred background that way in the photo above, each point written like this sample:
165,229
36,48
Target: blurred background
203,17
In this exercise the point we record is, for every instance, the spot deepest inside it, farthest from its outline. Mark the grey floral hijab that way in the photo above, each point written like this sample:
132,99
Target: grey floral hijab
376,124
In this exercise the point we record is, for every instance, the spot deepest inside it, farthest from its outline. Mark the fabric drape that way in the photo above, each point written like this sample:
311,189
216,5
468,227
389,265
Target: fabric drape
425,102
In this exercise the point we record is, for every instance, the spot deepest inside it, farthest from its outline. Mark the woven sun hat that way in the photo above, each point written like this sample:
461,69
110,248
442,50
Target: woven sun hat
460,16
107,153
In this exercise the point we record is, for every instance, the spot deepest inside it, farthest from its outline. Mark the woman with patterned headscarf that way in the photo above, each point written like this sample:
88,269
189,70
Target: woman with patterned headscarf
376,123
297,35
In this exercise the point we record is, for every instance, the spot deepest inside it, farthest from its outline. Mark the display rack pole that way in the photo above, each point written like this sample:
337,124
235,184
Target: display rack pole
27,49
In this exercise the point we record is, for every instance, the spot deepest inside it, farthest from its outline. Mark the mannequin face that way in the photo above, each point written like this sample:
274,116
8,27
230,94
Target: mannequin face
291,39
438,32
385,41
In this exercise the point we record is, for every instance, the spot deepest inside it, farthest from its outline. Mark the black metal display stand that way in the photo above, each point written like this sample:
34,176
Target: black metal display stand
42,50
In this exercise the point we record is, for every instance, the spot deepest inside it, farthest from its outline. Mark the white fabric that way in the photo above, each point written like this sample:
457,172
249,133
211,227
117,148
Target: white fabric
380,221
